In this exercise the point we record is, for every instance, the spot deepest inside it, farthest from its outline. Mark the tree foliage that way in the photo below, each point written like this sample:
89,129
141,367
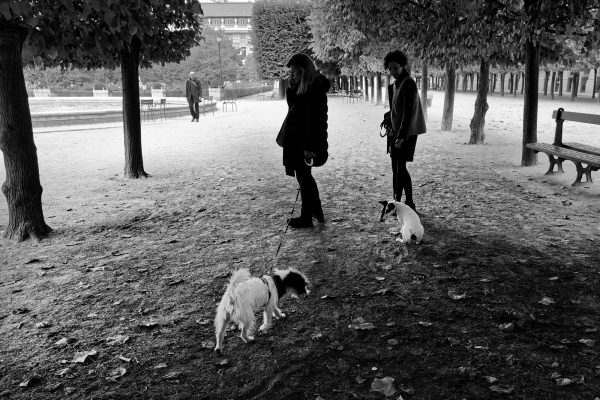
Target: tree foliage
280,29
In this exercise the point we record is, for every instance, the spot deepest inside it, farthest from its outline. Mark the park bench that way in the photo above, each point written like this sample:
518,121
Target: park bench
577,152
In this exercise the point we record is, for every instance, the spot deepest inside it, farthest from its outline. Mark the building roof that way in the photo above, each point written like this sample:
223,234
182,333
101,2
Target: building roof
227,9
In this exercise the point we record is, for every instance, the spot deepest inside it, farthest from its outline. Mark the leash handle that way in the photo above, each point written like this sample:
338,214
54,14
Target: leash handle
310,164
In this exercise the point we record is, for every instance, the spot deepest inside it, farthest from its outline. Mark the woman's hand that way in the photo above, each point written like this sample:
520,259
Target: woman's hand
309,154
398,143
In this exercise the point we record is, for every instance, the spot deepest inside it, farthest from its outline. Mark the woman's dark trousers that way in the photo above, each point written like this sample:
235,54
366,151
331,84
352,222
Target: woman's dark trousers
311,203
401,179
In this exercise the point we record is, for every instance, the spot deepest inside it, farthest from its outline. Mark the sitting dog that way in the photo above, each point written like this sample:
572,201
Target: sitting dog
246,295
411,224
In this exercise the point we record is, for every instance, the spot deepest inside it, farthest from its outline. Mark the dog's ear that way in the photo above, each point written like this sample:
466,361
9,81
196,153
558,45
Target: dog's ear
391,206
383,203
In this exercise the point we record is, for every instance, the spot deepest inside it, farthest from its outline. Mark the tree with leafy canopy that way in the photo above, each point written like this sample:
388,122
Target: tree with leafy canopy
549,23
88,34
279,30
203,60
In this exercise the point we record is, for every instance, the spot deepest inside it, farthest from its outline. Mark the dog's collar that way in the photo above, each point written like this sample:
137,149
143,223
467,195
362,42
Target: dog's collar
279,285
267,285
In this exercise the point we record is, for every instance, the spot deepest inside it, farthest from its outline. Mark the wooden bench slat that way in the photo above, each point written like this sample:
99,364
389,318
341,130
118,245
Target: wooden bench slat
567,154
583,148
578,117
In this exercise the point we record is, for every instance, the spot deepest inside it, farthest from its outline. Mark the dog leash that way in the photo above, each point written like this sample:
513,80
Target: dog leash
287,226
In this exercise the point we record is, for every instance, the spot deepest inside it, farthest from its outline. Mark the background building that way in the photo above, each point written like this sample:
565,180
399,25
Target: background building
234,18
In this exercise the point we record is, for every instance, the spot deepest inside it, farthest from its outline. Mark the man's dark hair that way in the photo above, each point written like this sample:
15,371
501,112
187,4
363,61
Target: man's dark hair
395,56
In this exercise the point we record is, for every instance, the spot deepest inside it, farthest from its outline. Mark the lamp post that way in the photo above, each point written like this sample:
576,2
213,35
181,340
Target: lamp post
220,69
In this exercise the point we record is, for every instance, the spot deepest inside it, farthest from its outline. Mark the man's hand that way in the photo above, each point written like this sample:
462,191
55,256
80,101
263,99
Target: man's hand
398,143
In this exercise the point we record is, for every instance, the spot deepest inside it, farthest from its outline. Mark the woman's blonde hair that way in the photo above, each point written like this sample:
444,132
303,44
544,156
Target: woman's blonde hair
307,68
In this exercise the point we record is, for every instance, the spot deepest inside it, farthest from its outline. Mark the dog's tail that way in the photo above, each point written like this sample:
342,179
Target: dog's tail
226,307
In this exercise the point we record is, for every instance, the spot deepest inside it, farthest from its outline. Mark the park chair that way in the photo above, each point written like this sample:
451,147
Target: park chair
208,102
162,109
147,108
231,99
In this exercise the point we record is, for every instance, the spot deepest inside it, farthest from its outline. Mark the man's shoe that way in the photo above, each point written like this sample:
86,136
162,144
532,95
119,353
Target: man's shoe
193,119
300,222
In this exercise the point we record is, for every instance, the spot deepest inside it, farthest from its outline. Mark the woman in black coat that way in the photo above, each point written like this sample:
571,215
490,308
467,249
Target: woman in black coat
304,134
408,122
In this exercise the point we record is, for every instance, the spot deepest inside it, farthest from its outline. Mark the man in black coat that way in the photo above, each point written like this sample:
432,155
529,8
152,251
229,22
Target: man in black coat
193,93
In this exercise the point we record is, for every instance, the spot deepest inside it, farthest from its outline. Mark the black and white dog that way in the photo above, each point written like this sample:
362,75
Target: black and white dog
247,295
411,224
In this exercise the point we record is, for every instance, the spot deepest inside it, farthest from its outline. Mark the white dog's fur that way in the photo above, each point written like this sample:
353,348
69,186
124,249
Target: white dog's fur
411,224
246,295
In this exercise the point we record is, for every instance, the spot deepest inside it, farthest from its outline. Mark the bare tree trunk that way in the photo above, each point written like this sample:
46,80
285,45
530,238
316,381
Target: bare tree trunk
552,84
450,92
523,80
502,77
530,109
511,83
517,76
574,85
546,78
560,86
379,91
22,188
584,78
424,89
481,105
594,84
134,162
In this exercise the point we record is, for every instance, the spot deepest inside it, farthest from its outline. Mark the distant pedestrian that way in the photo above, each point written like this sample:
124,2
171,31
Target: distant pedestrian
407,120
303,135
193,93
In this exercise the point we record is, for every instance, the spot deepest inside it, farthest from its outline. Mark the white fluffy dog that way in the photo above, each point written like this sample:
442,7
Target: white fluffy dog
247,295
411,224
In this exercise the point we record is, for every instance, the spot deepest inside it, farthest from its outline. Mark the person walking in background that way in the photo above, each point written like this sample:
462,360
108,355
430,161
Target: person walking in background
303,135
407,120
193,93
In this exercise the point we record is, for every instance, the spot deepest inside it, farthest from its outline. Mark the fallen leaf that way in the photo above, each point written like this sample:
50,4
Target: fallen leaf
125,359
172,375
424,323
160,366
220,362
384,386
490,379
116,373
555,375
207,344
148,325
338,367
380,278
360,324
588,342
563,381
546,301
33,380
316,336
62,372
43,324
82,356
501,389
360,380
508,327
115,340
455,296
393,342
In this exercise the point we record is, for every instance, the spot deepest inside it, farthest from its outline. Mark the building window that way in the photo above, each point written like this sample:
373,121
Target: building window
229,22
242,21
215,21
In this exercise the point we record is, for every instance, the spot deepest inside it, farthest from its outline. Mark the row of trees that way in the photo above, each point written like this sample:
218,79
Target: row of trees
92,34
452,35
210,67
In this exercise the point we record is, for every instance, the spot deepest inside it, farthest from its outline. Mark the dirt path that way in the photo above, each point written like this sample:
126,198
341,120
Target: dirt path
499,301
